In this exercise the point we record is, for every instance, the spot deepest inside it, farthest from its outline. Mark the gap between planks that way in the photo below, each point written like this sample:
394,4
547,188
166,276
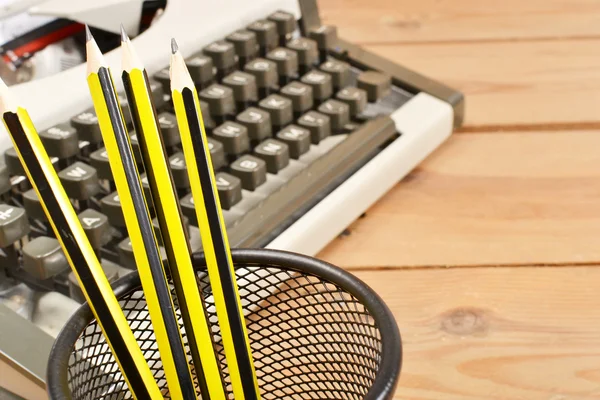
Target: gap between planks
385,268
496,333
453,20
515,85
530,128
476,41
482,199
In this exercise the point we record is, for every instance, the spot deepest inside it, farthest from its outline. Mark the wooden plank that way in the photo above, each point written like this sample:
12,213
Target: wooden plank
18,384
504,198
508,84
394,21
495,333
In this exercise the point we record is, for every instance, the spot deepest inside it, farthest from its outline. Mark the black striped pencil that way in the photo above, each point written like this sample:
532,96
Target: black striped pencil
170,220
77,248
212,230
139,225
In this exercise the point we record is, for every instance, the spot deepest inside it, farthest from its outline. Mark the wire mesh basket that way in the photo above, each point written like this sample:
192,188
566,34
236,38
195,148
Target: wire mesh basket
316,332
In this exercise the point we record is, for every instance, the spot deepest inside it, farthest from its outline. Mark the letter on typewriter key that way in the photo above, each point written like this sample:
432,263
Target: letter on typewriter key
265,72
126,257
306,49
266,34
234,138
300,94
375,83
325,36
209,123
275,154
164,78
244,41
60,141
230,189
285,22
320,83
296,138
33,206
217,154
220,99
338,113
355,98
99,160
13,224
201,69
86,124
222,53
243,86
179,171
80,181
318,125
44,258
251,170
286,60
188,209
169,129
95,225
111,207
279,108
339,71
257,121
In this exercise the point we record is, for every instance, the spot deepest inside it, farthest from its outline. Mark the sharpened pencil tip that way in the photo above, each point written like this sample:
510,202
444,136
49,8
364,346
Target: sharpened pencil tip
88,33
124,36
174,46
95,60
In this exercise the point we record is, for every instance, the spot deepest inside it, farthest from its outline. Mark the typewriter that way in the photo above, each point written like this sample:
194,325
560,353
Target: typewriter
306,132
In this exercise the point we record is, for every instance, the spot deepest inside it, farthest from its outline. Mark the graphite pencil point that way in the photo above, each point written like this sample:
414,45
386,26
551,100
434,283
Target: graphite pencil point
174,46
88,34
124,36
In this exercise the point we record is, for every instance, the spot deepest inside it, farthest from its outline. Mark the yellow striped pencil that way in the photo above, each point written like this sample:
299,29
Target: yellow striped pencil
170,220
212,229
78,250
139,225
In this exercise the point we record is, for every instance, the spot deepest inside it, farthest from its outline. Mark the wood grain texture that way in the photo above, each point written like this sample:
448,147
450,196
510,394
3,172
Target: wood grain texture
487,199
514,84
495,333
394,21
18,384
482,316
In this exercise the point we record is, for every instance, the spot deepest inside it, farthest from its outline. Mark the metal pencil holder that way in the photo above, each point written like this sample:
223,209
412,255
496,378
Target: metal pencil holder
316,332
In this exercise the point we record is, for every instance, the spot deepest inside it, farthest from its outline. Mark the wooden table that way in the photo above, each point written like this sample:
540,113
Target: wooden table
488,252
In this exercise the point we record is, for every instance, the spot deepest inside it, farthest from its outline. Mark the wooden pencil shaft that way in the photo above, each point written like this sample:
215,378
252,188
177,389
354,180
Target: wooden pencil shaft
84,264
144,243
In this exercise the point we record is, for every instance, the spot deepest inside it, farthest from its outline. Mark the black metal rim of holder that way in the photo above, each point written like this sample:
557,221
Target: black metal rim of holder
391,353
